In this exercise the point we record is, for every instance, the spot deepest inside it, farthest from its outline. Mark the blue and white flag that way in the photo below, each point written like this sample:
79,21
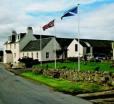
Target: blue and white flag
71,12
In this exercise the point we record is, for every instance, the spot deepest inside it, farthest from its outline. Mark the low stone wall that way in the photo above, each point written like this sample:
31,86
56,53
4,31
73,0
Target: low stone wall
98,77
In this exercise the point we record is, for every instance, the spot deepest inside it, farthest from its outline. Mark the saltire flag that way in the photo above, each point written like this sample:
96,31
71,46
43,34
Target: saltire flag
49,25
70,12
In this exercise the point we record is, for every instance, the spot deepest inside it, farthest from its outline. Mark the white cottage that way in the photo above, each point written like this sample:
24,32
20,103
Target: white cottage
43,50
83,47
14,45
90,47
27,44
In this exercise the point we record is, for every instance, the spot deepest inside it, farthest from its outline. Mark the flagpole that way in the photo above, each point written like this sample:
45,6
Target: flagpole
55,47
78,39
41,46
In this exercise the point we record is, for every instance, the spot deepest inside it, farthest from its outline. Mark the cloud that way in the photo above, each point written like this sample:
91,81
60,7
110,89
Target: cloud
49,6
94,23
100,22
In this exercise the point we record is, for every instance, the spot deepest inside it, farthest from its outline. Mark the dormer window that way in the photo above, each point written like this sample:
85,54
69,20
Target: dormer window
18,37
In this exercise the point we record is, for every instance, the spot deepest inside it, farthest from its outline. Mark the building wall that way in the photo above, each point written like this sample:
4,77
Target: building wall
71,49
17,46
14,47
16,52
31,54
26,40
8,58
50,48
4,54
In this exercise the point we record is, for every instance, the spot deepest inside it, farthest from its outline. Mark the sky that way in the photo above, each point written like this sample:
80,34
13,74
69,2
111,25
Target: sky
96,18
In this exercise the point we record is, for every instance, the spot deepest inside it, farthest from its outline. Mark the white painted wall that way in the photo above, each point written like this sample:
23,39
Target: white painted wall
14,47
42,54
26,40
50,47
71,49
19,46
4,54
9,58
29,54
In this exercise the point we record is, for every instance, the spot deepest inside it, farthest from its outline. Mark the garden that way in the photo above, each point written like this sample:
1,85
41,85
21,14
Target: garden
93,76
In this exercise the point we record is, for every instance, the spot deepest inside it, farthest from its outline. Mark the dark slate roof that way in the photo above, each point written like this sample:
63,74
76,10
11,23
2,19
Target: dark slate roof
64,42
8,51
82,43
14,38
35,44
22,35
42,36
98,43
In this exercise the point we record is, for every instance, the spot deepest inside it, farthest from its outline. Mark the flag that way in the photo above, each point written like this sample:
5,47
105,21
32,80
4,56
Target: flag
70,12
50,24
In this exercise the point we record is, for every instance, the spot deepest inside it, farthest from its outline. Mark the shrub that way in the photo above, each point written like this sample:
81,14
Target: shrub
29,62
97,68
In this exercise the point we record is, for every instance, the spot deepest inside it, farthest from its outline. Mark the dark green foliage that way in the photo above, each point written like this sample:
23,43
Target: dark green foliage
29,62
97,68
85,66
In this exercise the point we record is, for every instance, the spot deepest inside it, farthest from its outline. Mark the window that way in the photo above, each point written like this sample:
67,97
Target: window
37,55
27,54
23,54
32,55
47,54
76,47
88,50
14,54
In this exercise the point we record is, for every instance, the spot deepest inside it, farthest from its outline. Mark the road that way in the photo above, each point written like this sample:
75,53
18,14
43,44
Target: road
17,90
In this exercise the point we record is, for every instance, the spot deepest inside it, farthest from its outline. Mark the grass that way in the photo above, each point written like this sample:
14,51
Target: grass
65,85
91,66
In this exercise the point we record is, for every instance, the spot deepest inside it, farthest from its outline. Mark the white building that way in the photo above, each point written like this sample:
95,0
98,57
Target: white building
48,48
44,53
17,47
89,47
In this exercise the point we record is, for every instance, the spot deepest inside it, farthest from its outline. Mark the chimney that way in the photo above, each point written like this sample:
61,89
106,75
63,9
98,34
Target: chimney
29,31
14,32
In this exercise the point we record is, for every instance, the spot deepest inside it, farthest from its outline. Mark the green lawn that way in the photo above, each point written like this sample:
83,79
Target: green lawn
91,66
65,85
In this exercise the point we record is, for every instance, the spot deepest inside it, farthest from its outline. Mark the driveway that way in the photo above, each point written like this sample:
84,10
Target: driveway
17,90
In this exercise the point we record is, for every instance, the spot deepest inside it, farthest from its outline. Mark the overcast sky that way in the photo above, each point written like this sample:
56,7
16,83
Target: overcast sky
96,18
